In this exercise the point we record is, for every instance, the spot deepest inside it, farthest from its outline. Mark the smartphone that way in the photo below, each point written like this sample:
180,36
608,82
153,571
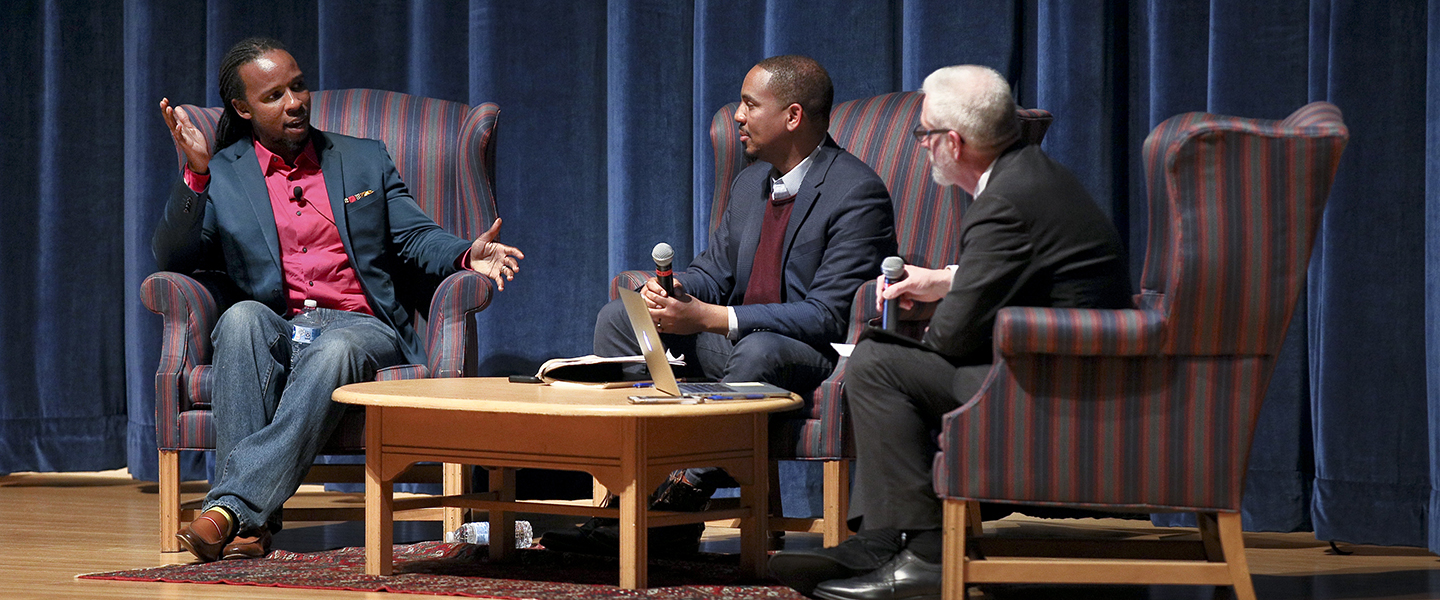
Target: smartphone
525,379
665,400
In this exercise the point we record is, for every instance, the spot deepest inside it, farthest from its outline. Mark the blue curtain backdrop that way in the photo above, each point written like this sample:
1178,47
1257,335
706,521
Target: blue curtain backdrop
603,152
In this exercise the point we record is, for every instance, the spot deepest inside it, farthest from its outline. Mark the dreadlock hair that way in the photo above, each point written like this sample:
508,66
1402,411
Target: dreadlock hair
232,127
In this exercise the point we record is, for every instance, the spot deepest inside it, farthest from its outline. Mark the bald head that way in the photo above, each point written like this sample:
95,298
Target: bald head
974,101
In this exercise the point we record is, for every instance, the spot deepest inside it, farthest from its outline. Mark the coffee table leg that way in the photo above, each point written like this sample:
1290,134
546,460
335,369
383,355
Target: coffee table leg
379,501
754,529
502,523
634,521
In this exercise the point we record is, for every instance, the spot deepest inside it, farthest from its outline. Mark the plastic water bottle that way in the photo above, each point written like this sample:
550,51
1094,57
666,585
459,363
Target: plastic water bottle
478,532
304,328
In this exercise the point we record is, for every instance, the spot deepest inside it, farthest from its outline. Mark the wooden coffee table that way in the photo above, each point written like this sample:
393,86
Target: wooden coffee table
628,448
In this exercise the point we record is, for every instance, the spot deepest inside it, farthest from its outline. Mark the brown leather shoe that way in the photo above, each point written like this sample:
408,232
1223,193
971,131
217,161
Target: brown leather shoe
207,535
255,545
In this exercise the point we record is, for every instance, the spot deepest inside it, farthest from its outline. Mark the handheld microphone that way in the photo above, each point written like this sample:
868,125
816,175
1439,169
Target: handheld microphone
663,255
894,270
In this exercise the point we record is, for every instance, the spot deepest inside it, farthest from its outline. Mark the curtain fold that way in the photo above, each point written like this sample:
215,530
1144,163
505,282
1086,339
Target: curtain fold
604,150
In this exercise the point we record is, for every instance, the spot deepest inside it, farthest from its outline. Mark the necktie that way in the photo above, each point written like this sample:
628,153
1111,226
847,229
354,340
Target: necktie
765,274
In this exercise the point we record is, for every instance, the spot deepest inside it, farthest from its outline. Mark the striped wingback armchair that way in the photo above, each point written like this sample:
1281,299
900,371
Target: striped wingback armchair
445,152
1153,408
878,131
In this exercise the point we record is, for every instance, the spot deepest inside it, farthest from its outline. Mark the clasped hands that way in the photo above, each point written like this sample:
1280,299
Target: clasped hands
680,313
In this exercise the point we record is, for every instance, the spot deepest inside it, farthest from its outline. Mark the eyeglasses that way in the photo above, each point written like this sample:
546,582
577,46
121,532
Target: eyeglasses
921,133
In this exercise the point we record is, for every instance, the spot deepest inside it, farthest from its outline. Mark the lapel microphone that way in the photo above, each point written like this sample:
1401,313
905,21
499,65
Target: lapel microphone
300,200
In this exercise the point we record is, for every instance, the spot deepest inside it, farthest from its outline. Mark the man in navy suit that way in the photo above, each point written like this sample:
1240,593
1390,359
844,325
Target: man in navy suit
1032,237
291,214
805,226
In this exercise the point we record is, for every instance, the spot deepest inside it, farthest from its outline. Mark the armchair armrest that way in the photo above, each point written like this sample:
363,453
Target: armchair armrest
189,311
450,345
863,312
1078,331
627,280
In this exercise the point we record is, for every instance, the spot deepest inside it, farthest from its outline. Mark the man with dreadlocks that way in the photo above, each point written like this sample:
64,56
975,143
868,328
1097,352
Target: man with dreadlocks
259,209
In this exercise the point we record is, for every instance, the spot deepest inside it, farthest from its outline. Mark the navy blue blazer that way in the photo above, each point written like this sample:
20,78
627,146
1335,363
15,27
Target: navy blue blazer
842,226
230,227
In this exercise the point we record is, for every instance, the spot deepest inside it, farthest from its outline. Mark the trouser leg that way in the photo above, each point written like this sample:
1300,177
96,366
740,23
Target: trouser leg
265,467
896,397
774,359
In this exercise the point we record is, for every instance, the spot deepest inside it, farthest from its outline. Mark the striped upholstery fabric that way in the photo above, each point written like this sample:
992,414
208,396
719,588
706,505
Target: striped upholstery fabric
876,130
445,152
1154,408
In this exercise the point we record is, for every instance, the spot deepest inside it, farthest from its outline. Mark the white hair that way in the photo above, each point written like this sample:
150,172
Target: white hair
974,101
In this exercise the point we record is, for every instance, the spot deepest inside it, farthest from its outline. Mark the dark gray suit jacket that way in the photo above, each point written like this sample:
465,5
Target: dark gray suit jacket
842,226
1033,237
230,227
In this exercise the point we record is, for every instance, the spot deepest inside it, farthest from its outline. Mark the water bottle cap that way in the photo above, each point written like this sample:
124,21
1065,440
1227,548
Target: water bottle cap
310,303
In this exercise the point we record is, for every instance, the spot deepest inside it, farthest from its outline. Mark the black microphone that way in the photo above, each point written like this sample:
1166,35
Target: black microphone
301,202
664,255
894,270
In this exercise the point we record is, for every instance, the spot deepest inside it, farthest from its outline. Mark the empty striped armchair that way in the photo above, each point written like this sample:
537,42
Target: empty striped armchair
927,218
445,152
1150,409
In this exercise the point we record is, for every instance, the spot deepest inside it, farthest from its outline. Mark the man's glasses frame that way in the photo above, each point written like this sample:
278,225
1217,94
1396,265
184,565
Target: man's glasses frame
921,132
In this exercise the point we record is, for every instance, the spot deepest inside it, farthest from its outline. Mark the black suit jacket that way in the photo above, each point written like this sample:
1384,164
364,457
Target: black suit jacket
842,226
230,227
1033,237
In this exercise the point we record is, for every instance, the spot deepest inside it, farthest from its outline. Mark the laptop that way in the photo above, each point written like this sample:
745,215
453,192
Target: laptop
664,377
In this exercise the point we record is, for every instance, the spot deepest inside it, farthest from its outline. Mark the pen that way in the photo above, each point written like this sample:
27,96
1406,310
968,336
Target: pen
643,384
745,397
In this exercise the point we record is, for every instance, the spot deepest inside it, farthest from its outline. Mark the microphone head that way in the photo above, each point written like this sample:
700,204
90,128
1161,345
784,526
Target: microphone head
299,193
893,267
663,254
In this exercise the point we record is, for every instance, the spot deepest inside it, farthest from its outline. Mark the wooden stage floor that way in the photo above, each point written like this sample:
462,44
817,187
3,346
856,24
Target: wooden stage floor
56,526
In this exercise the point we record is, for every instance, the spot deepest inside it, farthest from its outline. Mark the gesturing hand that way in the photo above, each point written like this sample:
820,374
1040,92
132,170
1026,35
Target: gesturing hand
494,259
187,136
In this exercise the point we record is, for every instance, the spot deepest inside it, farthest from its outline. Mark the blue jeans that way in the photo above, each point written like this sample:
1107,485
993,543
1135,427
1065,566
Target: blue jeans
762,356
271,419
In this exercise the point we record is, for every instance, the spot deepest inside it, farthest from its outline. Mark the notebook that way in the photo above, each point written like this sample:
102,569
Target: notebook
664,377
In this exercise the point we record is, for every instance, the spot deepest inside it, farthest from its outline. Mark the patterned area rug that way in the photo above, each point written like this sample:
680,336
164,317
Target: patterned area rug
456,569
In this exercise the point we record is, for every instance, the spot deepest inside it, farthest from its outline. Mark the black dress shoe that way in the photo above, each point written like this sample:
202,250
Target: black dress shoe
604,539
904,578
680,495
602,535
802,570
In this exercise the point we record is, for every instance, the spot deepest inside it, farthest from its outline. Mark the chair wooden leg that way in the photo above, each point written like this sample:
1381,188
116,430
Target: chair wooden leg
836,496
1233,544
973,525
169,500
957,526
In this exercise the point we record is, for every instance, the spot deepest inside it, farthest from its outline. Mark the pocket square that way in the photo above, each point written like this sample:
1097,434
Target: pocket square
358,196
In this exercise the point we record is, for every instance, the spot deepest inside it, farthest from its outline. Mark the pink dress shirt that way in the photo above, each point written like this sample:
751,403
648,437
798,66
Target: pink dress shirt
311,252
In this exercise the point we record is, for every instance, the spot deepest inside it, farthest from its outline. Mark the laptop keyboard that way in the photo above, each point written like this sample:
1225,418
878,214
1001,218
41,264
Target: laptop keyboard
706,388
